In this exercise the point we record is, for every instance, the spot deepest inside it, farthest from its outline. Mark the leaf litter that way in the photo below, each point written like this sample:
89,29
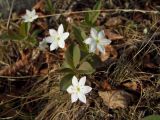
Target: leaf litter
129,74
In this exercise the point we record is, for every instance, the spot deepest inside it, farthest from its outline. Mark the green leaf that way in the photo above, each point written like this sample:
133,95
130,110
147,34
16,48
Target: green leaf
66,81
85,68
80,36
69,57
152,117
76,55
49,6
87,17
96,14
36,32
11,36
66,70
24,28
32,40
65,65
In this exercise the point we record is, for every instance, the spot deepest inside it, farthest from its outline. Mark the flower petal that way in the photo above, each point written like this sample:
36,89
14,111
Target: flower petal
54,45
92,47
94,33
86,89
49,39
82,97
74,97
101,48
61,43
105,41
35,17
101,35
52,32
65,35
82,81
28,12
75,81
88,40
60,29
33,12
70,89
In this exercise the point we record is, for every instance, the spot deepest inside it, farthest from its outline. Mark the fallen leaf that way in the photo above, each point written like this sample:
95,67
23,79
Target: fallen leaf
106,85
131,85
116,98
113,36
39,5
148,63
114,21
42,25
105,56
110,51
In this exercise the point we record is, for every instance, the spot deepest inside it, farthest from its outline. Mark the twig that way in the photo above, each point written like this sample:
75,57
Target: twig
105,10
10,14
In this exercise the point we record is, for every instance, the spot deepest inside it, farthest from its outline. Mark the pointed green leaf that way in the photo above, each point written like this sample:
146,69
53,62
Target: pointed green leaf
69,56
80,36
152,117
88,17
24,28
11,36
76,55
65,65
66,81
66,70
85,68
96,14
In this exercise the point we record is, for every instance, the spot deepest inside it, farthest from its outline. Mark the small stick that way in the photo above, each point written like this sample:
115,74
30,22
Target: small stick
104,10
10,14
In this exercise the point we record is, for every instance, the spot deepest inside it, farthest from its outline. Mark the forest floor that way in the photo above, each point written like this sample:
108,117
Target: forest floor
125,83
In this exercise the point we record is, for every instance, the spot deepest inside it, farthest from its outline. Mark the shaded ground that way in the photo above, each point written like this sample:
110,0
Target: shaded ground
129,75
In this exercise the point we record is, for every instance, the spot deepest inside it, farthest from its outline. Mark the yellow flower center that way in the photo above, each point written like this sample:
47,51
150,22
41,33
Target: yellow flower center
78,89
97,40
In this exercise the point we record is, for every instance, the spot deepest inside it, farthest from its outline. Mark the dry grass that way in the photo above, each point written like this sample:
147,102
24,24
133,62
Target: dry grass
40,98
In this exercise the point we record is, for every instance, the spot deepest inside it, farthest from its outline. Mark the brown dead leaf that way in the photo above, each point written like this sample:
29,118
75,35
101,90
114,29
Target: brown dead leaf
110,51
39,5
116,98
148,63
131,85
113,36
42,24
114,21
106,85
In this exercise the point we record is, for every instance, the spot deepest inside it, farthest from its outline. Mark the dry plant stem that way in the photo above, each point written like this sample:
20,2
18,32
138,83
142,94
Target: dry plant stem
146,43
105,10
10,14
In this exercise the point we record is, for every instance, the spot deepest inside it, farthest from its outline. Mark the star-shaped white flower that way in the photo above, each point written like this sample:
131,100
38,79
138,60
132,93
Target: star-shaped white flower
43,45
57,38
78,89
97,40
30,16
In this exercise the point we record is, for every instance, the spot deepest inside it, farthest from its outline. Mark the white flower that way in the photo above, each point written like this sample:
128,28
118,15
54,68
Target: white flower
78,89
57,38
97,40
30,16
43,45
